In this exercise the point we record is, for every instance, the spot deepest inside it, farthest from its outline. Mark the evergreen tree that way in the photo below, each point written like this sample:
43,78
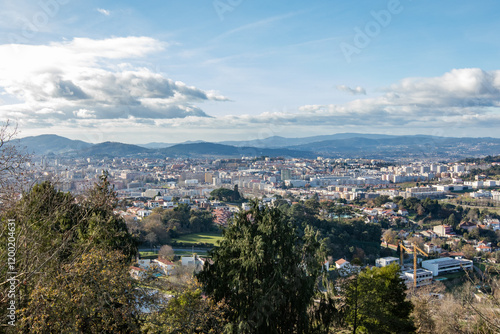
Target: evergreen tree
376,302
266,273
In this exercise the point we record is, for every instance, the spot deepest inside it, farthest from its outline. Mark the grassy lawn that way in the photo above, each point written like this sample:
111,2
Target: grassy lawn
184,252
193,238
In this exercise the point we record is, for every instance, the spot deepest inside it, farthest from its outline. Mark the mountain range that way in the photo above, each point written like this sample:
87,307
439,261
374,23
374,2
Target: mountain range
346,145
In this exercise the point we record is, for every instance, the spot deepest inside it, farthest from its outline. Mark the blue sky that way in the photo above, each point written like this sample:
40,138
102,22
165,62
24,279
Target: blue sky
215,70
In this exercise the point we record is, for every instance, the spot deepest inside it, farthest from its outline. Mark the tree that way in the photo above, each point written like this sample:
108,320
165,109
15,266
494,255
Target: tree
376,302
54,232
266,272
166,252
469,251
13,160
390,236
188,312
102,300
226,195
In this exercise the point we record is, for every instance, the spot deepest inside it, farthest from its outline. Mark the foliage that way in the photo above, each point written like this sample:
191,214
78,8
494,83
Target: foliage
226,195
172,223
93,295
188,312
13,169
54,233
376,302
166,252
266,273
342,236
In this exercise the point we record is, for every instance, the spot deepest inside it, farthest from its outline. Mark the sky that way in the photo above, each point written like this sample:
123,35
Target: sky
172,71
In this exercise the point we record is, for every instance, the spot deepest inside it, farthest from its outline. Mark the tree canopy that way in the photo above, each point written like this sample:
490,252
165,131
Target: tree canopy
266,272
376,302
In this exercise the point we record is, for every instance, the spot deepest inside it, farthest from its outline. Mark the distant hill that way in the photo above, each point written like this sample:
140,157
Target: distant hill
155,145
212,149
277,141
113,149
404,146
347,145
46,144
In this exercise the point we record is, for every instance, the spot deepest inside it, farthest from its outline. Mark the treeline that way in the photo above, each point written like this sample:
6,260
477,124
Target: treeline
164,224
487,159
344,237
490,173
227,195
70,269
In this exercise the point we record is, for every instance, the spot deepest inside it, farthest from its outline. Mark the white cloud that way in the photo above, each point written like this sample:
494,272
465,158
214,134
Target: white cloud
85,78
461,98
103,11
354,91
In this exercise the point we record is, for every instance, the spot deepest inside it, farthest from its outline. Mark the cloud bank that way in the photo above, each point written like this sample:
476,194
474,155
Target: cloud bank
91,79
461,98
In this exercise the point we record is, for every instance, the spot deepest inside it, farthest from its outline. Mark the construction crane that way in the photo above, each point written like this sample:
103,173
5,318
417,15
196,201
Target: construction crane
415,249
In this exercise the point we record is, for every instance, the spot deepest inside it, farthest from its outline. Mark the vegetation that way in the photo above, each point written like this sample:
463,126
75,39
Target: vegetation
163,225
212,238
376,302
71,262
266,272
226,195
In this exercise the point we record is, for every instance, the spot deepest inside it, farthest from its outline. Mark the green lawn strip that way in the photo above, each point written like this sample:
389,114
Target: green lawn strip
195,238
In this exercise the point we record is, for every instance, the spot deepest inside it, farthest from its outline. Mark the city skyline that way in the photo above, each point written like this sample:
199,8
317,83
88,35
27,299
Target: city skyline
241,70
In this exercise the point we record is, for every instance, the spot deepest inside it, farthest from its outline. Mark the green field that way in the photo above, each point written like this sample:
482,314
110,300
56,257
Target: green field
194,238
178,252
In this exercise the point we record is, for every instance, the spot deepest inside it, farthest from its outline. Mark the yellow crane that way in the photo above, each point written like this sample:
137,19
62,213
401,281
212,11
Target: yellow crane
415,249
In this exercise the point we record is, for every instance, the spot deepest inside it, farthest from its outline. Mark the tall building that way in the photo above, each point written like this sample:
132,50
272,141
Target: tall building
286,174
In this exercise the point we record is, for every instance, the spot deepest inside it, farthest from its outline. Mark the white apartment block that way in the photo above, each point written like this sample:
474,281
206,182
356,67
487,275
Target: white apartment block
385,261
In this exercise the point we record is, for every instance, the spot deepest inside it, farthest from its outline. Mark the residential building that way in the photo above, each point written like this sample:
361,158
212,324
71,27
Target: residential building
443,230
339,264
385,261
432,248
165,265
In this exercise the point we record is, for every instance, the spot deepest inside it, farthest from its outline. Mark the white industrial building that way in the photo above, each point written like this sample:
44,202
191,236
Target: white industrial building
424,277
446,265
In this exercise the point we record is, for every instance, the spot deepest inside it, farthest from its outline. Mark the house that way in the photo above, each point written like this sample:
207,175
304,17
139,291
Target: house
193,261
482,247
165,265
403,212
144,213
494,224
345,268
467,226
390,205
137,273
432,248
339,264
429,233
385,261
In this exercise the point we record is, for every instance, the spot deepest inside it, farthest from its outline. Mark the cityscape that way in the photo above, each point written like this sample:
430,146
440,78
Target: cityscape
242,167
